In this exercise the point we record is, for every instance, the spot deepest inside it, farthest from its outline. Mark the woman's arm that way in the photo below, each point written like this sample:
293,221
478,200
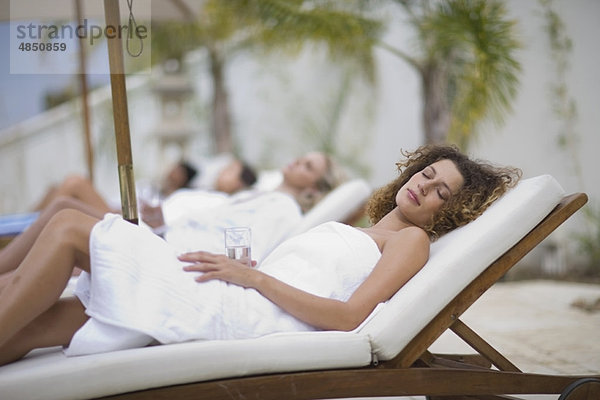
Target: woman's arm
404,254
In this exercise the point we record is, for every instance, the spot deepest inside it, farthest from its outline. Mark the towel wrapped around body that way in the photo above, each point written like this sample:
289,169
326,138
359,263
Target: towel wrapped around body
271,215
137,291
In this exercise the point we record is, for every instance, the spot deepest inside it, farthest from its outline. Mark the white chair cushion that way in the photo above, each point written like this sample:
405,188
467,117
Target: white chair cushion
49,375
456,259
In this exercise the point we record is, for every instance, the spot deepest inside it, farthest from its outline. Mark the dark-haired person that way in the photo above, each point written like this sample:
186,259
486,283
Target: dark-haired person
137,290
236,176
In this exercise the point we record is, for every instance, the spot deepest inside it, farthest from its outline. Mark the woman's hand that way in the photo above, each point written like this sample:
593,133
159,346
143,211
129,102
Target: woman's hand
216,266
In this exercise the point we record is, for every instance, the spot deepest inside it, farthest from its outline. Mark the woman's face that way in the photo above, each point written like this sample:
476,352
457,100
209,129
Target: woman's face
176,178
230,178
427,191
305,171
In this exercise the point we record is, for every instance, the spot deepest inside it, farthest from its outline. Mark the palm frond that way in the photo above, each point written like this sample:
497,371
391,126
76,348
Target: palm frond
478,41
290,25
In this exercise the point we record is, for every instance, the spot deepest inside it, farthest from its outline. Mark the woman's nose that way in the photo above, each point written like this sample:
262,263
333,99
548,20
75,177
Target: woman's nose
423,188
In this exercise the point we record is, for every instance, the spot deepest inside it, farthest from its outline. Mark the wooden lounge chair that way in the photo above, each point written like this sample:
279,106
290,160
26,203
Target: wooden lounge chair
386,356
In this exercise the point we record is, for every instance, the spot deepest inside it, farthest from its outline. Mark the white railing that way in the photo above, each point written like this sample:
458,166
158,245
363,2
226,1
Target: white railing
43,150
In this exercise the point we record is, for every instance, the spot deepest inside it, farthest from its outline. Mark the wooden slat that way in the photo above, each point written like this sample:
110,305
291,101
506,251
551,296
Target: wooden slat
483,347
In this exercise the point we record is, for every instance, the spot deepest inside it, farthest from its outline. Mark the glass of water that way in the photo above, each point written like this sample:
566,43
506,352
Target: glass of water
149,193
237,244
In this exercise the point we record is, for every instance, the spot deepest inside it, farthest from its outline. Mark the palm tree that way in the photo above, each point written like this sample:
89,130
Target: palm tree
466,60
226,28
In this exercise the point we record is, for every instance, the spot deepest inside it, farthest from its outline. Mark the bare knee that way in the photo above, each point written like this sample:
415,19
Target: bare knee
73,184
62,203
73,229
69,222
78,193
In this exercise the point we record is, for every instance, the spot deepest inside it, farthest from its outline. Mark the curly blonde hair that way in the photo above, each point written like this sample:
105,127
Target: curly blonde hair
483,184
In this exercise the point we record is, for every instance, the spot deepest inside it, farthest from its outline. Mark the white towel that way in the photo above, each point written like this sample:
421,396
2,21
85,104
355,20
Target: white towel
271,215
138,284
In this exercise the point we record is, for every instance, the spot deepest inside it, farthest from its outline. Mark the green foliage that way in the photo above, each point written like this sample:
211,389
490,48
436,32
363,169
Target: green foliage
476,39
271,25
563,105
172,40
322,129
337,24
473,44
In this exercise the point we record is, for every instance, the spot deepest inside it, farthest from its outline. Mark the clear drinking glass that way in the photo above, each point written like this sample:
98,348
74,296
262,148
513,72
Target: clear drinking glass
237,244
149,193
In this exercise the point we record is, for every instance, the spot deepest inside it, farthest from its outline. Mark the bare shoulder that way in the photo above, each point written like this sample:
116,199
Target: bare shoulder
412,235
413,238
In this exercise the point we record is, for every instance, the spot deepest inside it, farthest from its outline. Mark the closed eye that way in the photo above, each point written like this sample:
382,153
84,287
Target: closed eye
430,173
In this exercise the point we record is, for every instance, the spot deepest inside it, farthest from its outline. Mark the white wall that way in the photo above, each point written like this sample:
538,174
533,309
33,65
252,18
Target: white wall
529,139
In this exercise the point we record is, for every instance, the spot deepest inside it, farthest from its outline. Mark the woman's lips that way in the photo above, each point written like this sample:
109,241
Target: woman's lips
413,197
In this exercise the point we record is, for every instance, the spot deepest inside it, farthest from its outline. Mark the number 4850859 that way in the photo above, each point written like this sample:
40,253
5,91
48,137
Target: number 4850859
26,46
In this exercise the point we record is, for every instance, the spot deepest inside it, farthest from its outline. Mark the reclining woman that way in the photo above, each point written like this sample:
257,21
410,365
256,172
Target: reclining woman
329,278
81,188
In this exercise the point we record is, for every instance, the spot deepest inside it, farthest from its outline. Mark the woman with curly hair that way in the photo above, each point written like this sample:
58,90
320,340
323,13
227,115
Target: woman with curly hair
483,184
137,290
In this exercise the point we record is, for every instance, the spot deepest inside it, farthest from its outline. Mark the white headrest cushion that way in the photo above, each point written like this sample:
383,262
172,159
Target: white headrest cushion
456,259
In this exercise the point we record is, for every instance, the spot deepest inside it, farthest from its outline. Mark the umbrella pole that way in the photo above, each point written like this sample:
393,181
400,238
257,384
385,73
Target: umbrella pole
120,115
84,98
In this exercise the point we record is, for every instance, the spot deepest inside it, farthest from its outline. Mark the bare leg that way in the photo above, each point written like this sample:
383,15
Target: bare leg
54,327
14,253
5,279
39,281
76,187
